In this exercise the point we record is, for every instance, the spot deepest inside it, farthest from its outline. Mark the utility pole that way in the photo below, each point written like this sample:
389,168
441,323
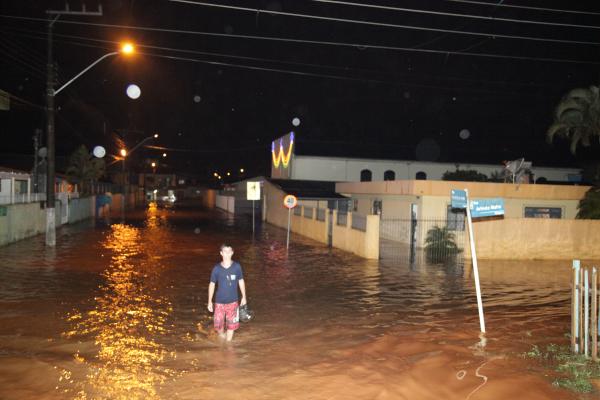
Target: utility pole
50,126
36,147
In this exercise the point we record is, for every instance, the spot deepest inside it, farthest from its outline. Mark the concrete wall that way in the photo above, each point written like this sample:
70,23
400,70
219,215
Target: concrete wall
29,219
226,203
82,208
433,197
348,169
364,244
537,238
208,198
22,221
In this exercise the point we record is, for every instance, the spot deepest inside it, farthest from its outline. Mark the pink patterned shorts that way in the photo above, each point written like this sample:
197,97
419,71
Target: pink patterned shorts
226,314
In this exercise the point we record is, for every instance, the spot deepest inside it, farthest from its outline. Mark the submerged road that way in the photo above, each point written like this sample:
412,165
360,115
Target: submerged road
118,311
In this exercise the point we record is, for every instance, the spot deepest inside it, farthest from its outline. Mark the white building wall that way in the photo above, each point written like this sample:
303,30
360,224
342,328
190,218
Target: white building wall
348,170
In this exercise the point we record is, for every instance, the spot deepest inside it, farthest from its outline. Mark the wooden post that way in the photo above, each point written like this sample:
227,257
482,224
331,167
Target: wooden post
594,314
574,322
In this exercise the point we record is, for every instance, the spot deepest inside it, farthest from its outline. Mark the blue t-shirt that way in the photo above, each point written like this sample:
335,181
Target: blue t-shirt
226,280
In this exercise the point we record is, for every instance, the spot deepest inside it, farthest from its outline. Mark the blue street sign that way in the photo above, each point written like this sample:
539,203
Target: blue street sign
487,207
458,198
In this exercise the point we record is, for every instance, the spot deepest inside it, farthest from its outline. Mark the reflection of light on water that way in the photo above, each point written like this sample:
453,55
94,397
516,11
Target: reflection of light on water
126,321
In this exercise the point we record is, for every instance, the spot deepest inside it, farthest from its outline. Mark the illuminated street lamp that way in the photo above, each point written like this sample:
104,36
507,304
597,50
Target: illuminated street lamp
164,155
127,48
241,170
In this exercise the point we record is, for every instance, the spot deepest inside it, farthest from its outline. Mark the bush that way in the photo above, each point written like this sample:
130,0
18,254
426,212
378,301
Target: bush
440,245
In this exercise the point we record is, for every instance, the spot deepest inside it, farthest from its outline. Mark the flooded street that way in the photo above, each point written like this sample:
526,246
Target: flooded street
118,311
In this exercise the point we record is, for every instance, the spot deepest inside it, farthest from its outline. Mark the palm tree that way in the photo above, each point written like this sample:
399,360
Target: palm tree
84,168
589,206
440,244
577,117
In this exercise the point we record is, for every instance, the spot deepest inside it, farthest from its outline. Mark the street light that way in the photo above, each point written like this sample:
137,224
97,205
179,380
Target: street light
126,48
124,153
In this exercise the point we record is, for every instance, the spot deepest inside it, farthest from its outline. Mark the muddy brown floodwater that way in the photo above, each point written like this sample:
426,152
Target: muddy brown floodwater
118,311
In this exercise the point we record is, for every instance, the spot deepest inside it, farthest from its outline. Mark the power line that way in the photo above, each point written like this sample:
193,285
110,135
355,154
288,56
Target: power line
360,46
346,69
300,73
471,16
483,3
386,25
325,66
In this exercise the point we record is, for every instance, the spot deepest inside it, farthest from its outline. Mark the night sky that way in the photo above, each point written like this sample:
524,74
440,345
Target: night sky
218,94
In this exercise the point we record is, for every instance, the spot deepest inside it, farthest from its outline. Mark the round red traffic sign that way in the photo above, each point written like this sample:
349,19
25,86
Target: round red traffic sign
290,201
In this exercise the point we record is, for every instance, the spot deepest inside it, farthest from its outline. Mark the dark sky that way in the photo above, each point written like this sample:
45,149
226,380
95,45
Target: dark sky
400,102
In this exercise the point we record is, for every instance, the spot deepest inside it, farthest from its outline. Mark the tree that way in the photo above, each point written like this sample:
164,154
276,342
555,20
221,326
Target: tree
440,244
577,117
589,206
84,168
469,175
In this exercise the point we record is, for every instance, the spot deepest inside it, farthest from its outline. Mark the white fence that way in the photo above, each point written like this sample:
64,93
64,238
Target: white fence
21,198
226,203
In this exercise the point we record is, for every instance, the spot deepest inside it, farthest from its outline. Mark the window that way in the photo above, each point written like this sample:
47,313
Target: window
455,219
543,212
365,175
541,179
377,207
421,176
389,175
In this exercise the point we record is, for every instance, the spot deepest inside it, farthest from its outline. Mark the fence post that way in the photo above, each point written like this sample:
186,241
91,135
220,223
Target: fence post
594,314
575,307
580,310
586,312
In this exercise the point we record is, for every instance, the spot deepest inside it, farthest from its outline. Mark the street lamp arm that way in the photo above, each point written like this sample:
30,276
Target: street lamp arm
140,143
114,53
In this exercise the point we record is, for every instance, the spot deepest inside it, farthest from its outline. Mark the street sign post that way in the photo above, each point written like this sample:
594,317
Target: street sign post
289,201
253,193
460,199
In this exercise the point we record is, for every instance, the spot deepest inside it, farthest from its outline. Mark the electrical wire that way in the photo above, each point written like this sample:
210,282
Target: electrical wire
360,46
242,66
387,25
471,16
483,3
112,42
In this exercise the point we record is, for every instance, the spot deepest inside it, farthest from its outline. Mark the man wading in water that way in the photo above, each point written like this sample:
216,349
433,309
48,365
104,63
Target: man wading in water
227,276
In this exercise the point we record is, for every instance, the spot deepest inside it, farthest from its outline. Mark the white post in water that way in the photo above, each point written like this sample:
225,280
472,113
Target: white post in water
575,308
586,312
475,269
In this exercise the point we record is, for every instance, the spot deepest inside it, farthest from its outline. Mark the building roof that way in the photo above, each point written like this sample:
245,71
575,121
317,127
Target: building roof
308,189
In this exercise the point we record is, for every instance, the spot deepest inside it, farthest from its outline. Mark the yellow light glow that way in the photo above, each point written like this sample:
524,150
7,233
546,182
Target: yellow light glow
164,154
229,173
242,170
123,152
155,135
153,164
215,174
127,48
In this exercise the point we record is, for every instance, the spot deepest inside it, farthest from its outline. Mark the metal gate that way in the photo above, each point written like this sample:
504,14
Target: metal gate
422,240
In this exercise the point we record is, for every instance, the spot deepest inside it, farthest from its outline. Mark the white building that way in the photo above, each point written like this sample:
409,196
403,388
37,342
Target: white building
285,164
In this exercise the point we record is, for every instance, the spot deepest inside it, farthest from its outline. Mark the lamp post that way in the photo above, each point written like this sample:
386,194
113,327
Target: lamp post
126,48
124,153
